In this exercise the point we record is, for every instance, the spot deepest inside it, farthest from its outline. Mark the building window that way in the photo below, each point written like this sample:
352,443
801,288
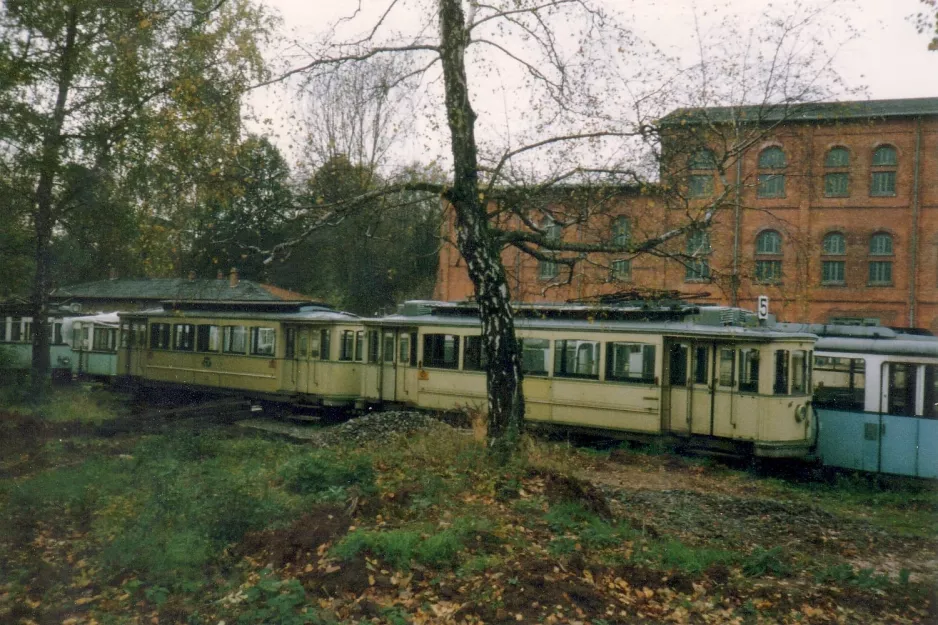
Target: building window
880,270
700,181
622,269
768,271
769,242
698,265
883,175
771,176
833,271
548,269
837,178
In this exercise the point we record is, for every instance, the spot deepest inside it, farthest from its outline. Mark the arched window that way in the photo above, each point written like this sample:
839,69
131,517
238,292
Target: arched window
621,234
771,175
548,269
702,165
883,174
837,178
768,270
833,270
698,248
880,269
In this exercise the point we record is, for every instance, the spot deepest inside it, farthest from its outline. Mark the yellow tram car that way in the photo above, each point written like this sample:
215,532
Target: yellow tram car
301,353
712,376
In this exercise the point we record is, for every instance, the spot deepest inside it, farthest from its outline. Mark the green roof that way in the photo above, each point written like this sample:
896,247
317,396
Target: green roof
159,289
816,111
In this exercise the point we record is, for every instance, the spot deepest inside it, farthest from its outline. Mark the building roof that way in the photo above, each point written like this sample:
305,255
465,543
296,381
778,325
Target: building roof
159,289
810,112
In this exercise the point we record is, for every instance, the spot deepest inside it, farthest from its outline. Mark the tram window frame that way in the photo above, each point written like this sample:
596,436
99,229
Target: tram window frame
3,329
303,340
140,329
183,337
646,373
325,344
782,385
289,343
727,371
413,349
159,335
535,350
701,357
16,330
374,346
404,346
359,346
387,349
799,386
315,347
267,347
208,338
235,340
851,397
474,358
562,362
908,408
441,351
104,340
678,376
749,358
125,336
347,346
930,392
56,333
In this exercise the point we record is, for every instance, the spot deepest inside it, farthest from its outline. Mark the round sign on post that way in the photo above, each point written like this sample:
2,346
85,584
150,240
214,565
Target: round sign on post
763,310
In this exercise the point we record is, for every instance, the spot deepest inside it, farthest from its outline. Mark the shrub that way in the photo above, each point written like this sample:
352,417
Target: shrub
318,472
766,562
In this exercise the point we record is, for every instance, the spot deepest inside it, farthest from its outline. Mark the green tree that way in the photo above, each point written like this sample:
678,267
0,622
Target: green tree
122,87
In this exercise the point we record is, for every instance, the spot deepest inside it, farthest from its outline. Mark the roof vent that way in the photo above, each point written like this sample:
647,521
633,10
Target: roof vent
233,278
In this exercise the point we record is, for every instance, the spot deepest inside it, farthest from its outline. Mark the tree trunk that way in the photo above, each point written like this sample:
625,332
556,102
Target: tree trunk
43,217
478,244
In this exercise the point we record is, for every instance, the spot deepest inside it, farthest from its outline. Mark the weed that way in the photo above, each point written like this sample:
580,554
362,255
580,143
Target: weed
477,565
763,562
273,600
561,546
318,472
673,554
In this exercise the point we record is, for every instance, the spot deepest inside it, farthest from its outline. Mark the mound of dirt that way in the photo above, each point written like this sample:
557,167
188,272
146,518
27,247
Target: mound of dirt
377,427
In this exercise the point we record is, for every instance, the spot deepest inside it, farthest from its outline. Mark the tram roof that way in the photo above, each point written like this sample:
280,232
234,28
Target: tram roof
296,313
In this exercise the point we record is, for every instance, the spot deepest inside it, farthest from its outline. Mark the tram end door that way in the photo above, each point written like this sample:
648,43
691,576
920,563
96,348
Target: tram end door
701,387
678,390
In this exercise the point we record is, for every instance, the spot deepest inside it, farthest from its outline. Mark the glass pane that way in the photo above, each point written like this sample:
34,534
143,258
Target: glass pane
832,271
837,185
441,350
703,159
701,355
700,185
835,243
799,372
931,391
325,337
771,186
697,270
578,359
771,158
630,362
884,156
388,350
622,269
902,378
621,231
474,358
839,383
781,372
881,245
837,157
749,370
403,356
534,354
768,271
677,365
727,364
881,272
883,183
769,242
547,269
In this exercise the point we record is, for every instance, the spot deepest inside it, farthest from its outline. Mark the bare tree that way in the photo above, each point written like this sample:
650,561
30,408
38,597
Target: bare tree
593,95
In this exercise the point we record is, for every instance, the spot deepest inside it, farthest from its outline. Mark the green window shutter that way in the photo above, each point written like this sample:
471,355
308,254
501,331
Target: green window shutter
771,186
837,184
883,184
832,272
700,185
837,157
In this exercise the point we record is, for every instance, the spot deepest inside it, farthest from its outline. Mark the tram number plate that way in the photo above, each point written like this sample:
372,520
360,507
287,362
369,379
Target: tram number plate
871,431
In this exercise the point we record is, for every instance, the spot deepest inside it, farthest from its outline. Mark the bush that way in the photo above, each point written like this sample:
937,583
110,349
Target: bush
321,471
766,562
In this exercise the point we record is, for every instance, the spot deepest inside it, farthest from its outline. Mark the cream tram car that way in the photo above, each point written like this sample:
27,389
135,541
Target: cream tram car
710,376
298,352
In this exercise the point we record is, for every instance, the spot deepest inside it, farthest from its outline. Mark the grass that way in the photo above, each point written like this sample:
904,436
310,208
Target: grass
85,402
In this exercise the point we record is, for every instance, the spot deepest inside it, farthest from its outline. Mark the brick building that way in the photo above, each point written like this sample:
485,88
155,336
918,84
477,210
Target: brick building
832,212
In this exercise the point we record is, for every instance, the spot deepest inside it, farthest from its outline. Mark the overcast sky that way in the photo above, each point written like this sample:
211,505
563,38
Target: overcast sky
889,59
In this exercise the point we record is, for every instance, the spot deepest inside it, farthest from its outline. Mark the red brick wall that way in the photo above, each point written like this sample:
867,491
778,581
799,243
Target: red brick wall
803,217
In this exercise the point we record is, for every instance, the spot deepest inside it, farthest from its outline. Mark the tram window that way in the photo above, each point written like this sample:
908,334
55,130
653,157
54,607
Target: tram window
314,344
16,330
839,382
781,372
474,359
142,333
799,372
677,361
159,336
263,341
235,339
289,345
931,391
105,339
125,336
360,345
441,350
727,366
207,339
388,348
404,355
56,333
576,359
902,389
3,328
534,356
373,345
325,340
413,349
630,362
183,337
302,345
347,345
749,370
700,365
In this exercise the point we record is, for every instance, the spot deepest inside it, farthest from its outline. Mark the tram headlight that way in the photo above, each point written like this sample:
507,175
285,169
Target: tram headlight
801,413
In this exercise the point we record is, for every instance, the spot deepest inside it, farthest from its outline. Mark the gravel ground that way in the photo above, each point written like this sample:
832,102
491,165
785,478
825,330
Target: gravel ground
372,428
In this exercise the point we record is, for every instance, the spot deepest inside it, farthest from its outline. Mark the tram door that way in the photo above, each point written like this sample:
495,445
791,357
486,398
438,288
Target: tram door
701,389
301,364
388,367
407,372
679,388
